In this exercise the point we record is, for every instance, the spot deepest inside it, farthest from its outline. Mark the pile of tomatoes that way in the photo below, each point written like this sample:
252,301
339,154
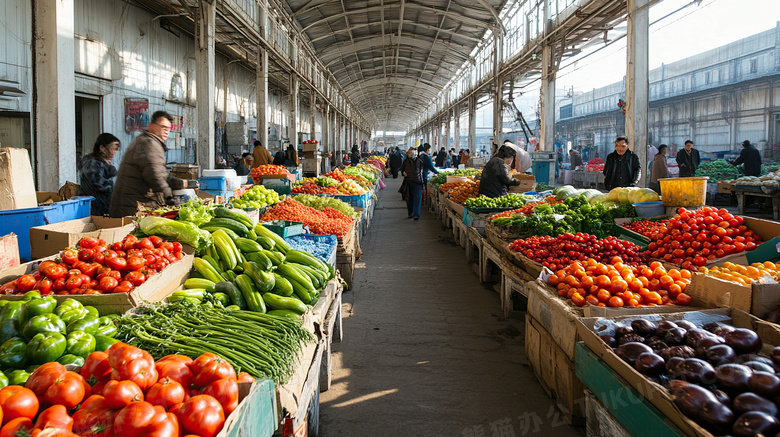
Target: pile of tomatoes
617,284
95,268
326,222
646,227
692,238
312,188
558,252
124,393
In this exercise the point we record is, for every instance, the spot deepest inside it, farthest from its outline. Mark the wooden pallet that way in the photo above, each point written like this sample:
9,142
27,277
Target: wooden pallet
599,422
555,371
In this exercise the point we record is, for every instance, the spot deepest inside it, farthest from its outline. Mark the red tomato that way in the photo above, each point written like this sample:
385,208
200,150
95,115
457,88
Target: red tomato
19,427
69,256
17,401
98,257
144,243
119,394
136,278
107,284
143,418
202,415
245,377
133,364
122,289
208,368
52,270
94,418
25,283
167,393
177,246
55,416
73,282
67,390
86,255
88,242
116,263
225,391
96,368
156,241
60,285
135,263
175,367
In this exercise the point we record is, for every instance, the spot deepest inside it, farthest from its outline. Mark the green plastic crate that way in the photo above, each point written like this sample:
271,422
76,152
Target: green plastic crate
284,228
281,186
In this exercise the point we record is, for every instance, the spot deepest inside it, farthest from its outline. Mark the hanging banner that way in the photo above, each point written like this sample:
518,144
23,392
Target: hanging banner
136,114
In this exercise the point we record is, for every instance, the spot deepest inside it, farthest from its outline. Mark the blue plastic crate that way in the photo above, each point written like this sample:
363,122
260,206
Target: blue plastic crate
304,242
214,183
225,194
19,221
360,200
75,208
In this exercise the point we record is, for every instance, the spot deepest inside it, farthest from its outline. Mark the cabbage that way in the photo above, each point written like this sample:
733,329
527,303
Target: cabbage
183,232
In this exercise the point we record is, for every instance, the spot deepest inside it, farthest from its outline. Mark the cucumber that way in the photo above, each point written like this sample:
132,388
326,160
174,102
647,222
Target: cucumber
223,298
222,212
284,303
246,245
226,223
263,280
282,286
254,301
260,259
233,293
275,257
285,313
262,231
266,242
199,283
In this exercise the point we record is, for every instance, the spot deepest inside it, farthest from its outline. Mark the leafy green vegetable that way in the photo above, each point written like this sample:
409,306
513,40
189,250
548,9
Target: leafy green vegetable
195,211
184,232
321,203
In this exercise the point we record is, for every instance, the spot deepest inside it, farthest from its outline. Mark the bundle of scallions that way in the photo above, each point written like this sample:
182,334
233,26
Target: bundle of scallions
263,345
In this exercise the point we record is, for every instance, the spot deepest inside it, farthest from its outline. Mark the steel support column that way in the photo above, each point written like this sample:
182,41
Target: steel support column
294,109
262,97
637,83
472,124
547,140
456,136
204,84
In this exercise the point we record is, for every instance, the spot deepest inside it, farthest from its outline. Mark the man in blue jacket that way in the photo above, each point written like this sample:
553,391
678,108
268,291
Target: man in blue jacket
424,162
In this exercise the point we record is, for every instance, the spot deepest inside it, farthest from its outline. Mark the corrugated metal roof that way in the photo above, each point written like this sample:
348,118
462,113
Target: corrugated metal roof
393,57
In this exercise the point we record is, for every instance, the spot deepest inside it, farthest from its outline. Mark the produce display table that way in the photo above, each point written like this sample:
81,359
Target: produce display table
742,195
474,248
587,179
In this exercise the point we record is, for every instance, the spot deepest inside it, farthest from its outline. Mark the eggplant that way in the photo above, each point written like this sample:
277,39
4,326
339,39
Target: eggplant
754,357
706,343
696,371
718,329
765,384
754,423
672,363
722,397
715,416
629,352
703,407
733,378
649,363
658,346
675,336
686,325
775,355
664,327
695,335
623,330
643,327
753,402
678,351
720,354
758,366
628,338
743,341
609,340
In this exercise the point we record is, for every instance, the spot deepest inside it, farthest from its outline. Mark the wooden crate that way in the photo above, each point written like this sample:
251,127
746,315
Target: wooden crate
330,331
490,265
513,281
599,422
555,315
345,263
474,249
555,371
460,230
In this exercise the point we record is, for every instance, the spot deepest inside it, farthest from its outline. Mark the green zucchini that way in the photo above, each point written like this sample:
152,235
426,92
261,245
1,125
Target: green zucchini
275,257
284,313
254,300
246,245
233,293
223,212
263,280
223,298
284,303
199,283
260,259
306,259
282,286
204,267
235,226
266,242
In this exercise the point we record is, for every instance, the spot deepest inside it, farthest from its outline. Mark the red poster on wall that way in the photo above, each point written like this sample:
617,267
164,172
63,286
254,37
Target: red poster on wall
136,114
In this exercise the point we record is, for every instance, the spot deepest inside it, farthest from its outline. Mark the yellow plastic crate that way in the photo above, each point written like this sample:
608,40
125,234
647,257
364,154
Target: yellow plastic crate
684,191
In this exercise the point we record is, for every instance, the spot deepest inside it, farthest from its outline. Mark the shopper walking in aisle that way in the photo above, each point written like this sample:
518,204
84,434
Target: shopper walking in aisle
495,176
244,164
412,174
394,162
425,162
454,158
143,177
751,157
261,155
441,158
354,157
688,160
622,168
558,162
279,157
659,169
97,173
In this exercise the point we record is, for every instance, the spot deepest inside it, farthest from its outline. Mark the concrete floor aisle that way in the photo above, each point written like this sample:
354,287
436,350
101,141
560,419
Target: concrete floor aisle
426,351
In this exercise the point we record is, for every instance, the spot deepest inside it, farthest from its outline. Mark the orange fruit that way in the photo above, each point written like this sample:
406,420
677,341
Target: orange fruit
666,281
615,301
603,295
603,281
618,285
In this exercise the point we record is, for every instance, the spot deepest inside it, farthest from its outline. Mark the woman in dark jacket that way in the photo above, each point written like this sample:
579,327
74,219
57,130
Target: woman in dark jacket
354,158
495,175
97,173
622,168
413,180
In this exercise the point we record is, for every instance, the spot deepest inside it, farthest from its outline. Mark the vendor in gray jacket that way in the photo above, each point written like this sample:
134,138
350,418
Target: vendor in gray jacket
495,175
142,175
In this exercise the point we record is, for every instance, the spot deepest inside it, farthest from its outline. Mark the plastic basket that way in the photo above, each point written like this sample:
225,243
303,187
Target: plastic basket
281,186
360,200
213,183
649,209
331,240
284,228
684,191
75,208
19,221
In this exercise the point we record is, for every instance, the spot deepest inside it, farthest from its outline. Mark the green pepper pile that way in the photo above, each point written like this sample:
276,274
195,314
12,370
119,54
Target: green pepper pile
507,201
441,178
35,330
575,214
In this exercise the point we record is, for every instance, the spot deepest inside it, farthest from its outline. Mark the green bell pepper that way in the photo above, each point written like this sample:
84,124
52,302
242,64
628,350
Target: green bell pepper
67,305
37,307
17,377
9,320
80,343
71,359
103,342
13,354
30,295
92,310
43,323
46,347
3,380
3,303
88,324
109,329
72,315
31,368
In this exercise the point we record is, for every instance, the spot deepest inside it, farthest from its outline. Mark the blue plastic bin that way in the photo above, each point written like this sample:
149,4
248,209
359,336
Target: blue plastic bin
214,183
649,209
299,242
360,201
75,208
226,194
19,221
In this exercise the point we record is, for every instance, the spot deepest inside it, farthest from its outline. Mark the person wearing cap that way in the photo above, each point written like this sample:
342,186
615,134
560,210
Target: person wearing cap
688,160
522,162
751,157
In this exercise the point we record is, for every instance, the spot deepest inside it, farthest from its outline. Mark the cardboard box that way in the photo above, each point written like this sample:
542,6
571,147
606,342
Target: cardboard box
655,393
310,147
726,187
47,197
527,183
9,251
17,187
155,289
51,239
